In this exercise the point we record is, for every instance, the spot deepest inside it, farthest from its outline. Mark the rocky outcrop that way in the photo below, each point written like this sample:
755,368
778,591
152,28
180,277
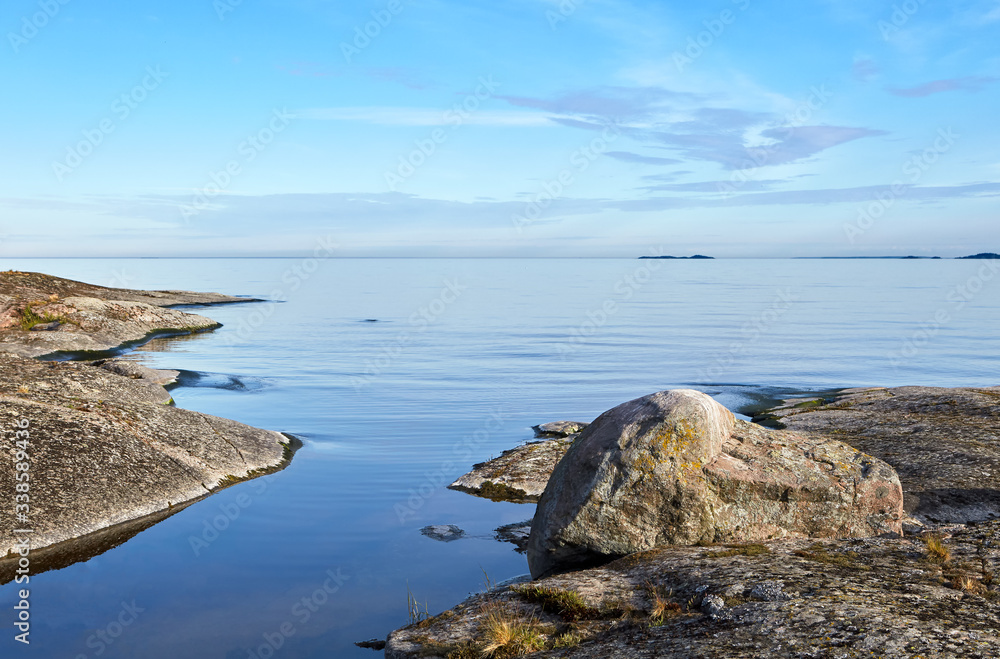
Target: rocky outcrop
676,467
519,474
104,449
896,598
108,455
943,443
559,428
41,315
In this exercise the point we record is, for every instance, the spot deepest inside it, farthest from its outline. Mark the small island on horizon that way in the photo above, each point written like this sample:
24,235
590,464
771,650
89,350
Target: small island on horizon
696,256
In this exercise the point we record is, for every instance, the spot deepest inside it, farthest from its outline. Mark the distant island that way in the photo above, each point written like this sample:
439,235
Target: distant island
696,256
898,258
984,255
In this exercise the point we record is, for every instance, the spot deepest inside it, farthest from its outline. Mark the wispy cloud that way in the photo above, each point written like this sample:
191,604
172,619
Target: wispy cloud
686,124
627,156
786,144
967,84
864,69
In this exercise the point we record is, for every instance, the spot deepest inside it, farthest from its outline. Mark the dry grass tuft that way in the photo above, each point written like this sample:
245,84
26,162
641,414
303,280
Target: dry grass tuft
936,549
506,635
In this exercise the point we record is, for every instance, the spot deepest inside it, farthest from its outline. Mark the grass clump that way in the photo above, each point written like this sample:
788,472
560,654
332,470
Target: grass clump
29,318
567,604
937,552
506,635
662,605
568,639
968,584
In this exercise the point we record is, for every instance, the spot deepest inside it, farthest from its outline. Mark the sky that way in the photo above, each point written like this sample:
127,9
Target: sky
735,128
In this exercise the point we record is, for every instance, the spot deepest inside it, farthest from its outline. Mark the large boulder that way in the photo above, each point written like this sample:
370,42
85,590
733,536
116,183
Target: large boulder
677,468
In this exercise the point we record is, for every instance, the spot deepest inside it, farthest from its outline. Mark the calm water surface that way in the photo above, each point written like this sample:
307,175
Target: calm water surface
465,357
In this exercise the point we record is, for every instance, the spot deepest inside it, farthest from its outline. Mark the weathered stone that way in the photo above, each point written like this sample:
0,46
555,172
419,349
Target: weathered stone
944,443
137,371
796,598
443,532
676,467
104,449
519,474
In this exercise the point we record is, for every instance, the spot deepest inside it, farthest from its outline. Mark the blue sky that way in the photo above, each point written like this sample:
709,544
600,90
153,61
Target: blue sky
529,127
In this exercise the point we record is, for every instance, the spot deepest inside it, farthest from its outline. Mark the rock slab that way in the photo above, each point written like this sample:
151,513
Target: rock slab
519,474
677,468
793,598
105,449
943,442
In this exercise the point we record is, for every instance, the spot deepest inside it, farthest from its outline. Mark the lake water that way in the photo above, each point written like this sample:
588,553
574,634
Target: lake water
465,357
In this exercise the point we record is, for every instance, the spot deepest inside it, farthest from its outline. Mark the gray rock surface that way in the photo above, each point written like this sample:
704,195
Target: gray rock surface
788,599
137,371
519,474
944,443
443,532
105,449
676,467
559,428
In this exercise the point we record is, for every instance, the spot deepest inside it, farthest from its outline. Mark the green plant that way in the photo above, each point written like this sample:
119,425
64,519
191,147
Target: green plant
413,612
567,604
29,318
567,640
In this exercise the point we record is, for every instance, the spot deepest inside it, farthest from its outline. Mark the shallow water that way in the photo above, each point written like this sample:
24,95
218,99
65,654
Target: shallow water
464,357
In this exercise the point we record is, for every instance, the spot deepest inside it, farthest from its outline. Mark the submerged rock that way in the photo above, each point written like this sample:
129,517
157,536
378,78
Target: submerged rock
137,371
443,532
676,467
516,534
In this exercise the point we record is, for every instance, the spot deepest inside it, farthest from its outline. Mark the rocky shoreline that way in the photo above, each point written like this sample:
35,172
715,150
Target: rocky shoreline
925,588
108,454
